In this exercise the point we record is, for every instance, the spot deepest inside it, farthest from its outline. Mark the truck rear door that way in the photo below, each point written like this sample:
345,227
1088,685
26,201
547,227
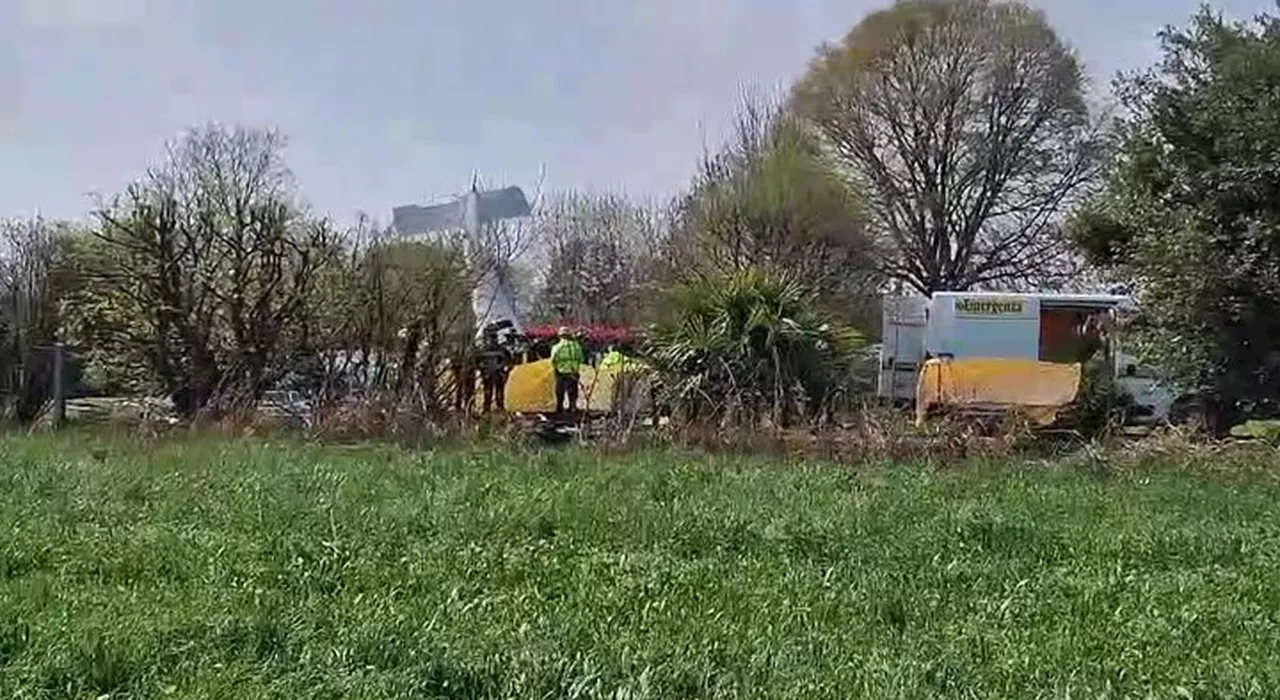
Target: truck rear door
902,348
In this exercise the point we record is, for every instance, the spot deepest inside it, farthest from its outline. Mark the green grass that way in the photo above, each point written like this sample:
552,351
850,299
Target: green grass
207,569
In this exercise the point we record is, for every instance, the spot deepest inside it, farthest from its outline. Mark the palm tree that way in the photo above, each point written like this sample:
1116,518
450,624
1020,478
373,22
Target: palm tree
751,344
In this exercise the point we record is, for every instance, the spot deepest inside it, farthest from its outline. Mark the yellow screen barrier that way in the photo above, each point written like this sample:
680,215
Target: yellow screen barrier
531,387
1040,390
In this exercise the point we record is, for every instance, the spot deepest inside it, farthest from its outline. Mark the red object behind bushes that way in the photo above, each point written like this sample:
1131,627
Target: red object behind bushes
591,334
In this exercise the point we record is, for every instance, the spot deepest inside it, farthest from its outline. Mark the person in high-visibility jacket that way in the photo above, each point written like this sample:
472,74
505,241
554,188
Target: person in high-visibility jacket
611,357
614,361
567,358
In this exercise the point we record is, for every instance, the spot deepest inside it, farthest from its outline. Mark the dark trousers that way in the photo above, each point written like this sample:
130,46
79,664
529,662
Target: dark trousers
566,388
464,378
495,389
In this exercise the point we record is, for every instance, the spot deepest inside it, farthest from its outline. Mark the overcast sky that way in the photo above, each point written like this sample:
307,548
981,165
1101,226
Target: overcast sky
388,102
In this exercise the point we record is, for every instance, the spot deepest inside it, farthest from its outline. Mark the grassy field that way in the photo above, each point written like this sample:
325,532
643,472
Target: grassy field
207,569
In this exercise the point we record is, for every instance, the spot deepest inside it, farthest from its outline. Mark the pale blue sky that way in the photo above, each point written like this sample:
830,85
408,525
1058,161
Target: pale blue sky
395,101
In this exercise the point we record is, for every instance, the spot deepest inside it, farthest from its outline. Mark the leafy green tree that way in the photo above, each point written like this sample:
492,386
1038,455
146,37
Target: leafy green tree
965,124
100,320
402,310
1190,210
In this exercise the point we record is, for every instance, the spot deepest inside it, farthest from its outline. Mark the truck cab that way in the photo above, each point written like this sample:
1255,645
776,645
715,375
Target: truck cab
1153,396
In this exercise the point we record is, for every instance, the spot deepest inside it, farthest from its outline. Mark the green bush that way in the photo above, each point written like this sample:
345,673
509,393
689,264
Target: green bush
751,345
1101,404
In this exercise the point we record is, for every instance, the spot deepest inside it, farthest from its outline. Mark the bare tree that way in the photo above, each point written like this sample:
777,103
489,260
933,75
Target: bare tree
594,247
205,269
392,314
29,320
770,199
966,124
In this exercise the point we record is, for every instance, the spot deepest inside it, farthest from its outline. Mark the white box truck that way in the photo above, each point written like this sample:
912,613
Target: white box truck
1035,326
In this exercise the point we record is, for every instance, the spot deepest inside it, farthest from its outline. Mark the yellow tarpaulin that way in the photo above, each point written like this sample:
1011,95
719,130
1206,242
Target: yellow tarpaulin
1038,389
531,388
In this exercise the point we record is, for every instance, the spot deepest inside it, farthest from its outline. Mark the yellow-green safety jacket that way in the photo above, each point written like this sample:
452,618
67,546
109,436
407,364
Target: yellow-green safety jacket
567,356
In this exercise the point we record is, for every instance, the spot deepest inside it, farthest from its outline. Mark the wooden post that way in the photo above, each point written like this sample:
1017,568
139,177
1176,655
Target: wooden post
59,384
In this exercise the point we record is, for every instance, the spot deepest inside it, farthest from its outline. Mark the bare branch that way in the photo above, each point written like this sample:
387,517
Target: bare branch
210,262
770,199
965,123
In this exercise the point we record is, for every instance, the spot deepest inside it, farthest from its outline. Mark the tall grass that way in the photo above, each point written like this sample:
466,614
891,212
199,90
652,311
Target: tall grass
252,569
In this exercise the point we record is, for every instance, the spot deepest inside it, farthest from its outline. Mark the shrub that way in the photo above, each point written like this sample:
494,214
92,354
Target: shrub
750,345
1101,404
